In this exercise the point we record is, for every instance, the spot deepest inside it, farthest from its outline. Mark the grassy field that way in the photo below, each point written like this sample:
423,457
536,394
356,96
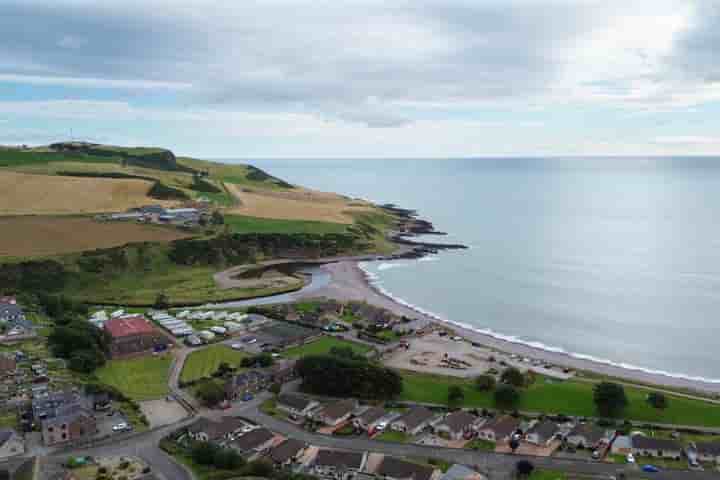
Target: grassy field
569,398
143,378
243,224
393,436
203,363
323,346
66,234
545,474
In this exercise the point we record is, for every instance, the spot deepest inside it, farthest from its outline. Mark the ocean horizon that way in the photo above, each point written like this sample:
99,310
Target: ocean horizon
615,259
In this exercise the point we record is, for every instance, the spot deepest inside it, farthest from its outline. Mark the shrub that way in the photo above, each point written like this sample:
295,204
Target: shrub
485,383
506,396
610,398
513,376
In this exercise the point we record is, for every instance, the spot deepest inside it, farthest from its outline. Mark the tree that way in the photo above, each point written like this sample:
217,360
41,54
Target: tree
455,395
223,369
162,301
485,383
506,396
275,388
610,398
217,218
513,376
524,468
227,459
657,400
258,468
203,453
210,393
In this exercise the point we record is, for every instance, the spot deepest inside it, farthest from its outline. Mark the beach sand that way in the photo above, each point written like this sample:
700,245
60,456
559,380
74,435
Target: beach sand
349,282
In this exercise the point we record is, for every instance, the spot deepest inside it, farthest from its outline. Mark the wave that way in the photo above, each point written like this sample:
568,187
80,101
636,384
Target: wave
375,282
388,266
429,258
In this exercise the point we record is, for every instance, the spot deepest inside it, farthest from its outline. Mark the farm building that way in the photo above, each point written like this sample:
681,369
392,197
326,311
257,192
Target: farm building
133,336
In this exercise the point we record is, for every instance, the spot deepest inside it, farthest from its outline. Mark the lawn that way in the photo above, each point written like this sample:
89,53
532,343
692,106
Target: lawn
244,224
143,378
203,363
393,436
547,475
480,444
323,346
569,398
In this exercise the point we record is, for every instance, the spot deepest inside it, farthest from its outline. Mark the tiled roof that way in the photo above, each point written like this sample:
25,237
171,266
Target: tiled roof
123,327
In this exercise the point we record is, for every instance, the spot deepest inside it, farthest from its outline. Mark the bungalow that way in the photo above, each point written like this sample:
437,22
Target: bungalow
414,421
253,442
11,443
643,446
462,472
621,445
369,418
392,468
287,453
295,404
708,451
499,429
457,424
282,371
251,381
586,435
335,413
542,433
206,430
338,464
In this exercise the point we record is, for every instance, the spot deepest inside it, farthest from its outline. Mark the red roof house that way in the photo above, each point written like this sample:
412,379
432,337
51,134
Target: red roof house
133,335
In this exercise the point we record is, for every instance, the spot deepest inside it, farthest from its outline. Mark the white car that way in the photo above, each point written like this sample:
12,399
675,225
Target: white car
120,427
236,346
630,458
381,426
457,339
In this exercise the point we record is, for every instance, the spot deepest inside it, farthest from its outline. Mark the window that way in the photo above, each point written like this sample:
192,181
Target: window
50,429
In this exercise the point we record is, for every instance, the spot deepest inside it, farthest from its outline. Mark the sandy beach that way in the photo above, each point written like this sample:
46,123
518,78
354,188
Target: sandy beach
349,282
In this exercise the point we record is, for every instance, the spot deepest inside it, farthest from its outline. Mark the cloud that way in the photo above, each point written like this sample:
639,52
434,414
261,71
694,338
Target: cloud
91,82
687,140
71,41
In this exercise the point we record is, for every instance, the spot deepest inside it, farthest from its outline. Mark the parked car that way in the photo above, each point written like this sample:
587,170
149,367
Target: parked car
121,427
236,346
650,469
630,458
247,397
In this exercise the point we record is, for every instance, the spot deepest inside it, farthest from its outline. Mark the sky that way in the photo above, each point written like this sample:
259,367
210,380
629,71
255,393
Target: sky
450,78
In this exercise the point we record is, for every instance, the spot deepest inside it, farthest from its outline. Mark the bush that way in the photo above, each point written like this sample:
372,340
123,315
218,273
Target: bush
258,468
506,396
610,398
203,453
657,400
485,383
227,459
342,377
513,376
210,393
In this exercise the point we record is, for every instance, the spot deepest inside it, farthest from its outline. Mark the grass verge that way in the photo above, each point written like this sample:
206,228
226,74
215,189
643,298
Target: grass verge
144,378
323,346
203,363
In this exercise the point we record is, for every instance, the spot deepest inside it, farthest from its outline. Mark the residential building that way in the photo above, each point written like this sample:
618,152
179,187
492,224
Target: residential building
251,381
295,404
335,413
338,464
282,371
462,472
73,423
414,421
8,300
369,419
11,443
11,313
254,442
287,453
7,364
542,433
708,451
499,429
621,445
644,446
206,430
135,335
458,424
392,468
587,435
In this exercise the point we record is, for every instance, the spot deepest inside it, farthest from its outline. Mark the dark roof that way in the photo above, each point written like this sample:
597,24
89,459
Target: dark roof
400,469
338,409
10,309
286,450
545,429
641,442
215,430
458,421
339,458
708,448
415,417
253,439
297,402
592,433
373,414
503,426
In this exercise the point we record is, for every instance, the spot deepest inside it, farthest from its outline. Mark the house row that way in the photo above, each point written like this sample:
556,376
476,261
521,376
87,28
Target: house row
253,381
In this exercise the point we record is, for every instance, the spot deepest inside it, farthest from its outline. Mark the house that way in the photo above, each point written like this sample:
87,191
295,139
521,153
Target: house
414,421
7,364
100,401
458,424
287,453
392,468
643,446
542,433
11,312
587,435
48,405
499,429
461,472
338,464
206,430
621,445
251,381
133,335
335,413
369,419
11,443
73,423
254,441
295,404
708,451
282,371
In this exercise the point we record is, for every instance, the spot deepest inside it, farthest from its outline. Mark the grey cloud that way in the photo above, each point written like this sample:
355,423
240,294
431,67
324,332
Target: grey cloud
696,52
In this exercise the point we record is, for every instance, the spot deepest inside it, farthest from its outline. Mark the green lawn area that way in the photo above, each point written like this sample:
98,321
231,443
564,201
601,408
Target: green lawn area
480,444
244,224
142,378
393,436
323,346
203,363
547,475
569,398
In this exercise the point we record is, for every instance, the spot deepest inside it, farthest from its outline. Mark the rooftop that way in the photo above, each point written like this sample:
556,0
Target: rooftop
339,459
286,450
253,439
395,468
641,442
123,327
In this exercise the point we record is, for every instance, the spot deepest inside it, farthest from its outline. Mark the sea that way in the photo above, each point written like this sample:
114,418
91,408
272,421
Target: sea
613,259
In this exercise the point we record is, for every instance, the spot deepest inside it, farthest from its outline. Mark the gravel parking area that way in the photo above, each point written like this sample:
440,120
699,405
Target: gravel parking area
162,412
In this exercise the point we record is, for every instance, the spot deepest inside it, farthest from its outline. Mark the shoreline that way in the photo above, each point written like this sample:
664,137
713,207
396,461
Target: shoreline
350,282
